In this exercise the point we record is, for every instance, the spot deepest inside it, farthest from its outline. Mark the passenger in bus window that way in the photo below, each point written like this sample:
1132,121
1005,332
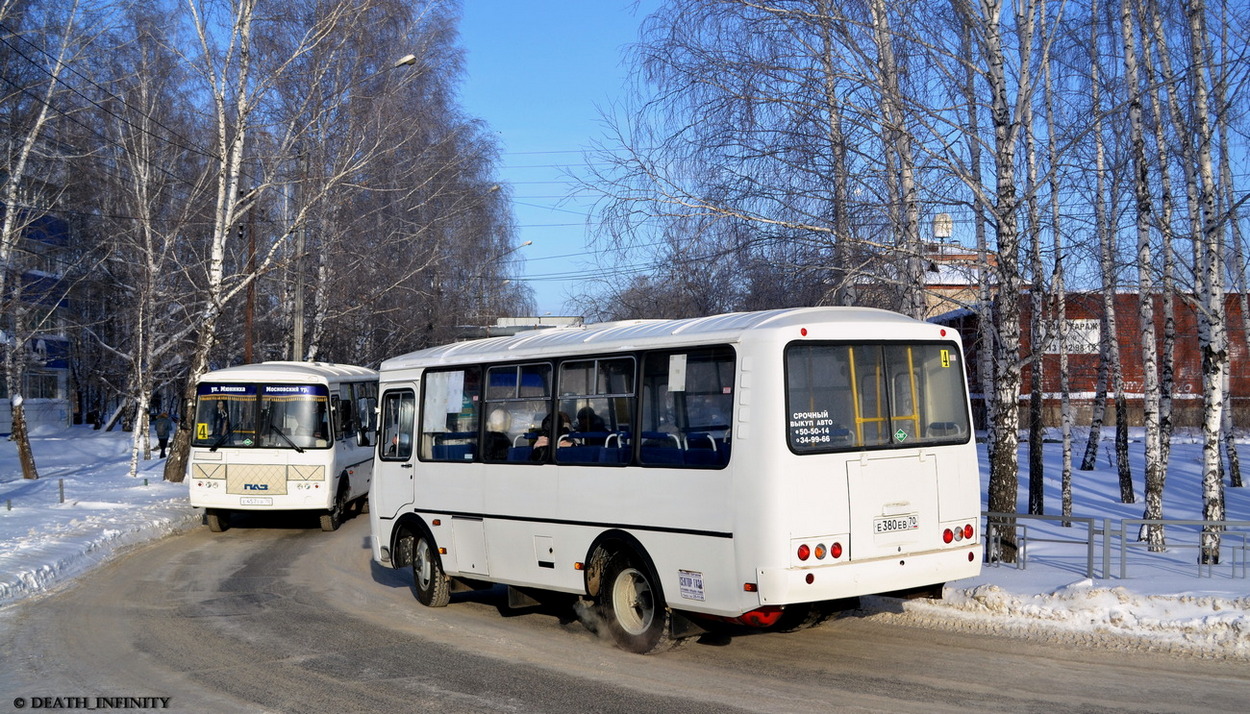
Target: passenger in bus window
589,421
496,444
221,420
543,441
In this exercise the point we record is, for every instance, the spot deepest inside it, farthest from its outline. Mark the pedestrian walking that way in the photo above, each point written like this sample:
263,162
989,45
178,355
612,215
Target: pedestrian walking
163,425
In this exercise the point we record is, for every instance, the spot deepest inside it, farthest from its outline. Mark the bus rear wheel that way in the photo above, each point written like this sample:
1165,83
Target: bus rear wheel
632,604
429,580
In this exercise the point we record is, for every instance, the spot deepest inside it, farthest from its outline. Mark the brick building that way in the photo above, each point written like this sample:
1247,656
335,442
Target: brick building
1084,313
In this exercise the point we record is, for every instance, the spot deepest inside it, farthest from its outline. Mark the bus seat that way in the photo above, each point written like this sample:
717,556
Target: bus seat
702,457
453,452
661,455
520,453
700,440
614,455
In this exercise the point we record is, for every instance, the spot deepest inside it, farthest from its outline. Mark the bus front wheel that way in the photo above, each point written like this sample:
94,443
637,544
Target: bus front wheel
217,520
429,580
632,605
333,518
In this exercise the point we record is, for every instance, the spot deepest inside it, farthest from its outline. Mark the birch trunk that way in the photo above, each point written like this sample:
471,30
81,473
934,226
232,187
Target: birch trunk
985,309
1059,290
836,143
897,141
1037,331
1151,37
1005,114
1212,338
1229,215
1144,216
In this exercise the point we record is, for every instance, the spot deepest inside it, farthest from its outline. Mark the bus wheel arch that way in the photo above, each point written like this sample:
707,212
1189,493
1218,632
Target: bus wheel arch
629,598
602,549
403,537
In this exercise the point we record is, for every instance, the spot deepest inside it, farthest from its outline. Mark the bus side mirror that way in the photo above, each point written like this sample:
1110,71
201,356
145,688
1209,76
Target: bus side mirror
362,438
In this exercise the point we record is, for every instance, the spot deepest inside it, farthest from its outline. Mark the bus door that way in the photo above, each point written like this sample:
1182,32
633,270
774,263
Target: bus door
393,484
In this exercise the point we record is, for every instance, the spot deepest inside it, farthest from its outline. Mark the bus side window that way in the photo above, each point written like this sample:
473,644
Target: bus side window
338,419
398,408
449,415
518,399
366,399
687,404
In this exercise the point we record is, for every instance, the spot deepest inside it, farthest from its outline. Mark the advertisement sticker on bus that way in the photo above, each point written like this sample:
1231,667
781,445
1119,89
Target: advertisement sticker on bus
691,584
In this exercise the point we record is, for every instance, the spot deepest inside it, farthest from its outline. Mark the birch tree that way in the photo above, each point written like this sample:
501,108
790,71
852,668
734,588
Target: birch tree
1006,112
223,64
1152,45
1143,219
1058,283
55,38
1212,336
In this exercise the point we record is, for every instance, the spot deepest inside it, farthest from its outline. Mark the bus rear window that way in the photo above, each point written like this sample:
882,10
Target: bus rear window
888,395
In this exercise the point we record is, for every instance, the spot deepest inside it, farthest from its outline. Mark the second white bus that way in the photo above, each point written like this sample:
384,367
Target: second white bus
761,467
283,436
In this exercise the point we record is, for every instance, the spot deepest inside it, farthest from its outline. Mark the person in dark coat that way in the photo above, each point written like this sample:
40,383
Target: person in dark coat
163,425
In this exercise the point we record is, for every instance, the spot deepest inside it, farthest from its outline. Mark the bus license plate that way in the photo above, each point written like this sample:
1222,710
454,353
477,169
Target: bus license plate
893,524
255,501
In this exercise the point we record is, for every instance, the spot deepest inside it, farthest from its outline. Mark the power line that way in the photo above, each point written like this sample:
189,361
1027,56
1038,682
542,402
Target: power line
187,146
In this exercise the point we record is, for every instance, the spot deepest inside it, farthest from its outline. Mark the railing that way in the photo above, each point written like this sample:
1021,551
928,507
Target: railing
996,523
1224,529
1099,534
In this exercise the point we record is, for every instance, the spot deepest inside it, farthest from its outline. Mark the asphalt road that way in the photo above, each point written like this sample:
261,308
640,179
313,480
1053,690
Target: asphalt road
281,617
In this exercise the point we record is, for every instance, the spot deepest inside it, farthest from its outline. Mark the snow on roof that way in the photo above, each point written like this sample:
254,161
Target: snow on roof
636,334
287,370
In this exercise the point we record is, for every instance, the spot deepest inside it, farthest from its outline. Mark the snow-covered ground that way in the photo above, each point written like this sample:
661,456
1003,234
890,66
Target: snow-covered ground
1164,602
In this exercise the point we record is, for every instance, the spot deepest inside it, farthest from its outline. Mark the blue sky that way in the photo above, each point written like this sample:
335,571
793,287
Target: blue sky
538,72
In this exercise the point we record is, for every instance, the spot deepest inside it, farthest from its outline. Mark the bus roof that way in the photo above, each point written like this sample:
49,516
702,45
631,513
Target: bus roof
641,334
287,371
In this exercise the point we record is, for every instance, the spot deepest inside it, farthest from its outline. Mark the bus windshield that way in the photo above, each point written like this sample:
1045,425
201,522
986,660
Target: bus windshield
271,416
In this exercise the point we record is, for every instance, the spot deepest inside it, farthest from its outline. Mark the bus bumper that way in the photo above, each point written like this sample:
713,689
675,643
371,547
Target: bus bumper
785,586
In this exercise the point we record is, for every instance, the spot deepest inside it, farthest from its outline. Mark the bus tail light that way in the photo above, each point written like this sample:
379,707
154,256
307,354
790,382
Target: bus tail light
957,534
822,549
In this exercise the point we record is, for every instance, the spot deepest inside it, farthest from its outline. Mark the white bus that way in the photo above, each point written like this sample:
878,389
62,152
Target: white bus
283,436
761,468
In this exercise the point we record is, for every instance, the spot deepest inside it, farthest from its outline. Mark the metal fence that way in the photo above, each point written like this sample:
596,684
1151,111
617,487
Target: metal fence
1099,538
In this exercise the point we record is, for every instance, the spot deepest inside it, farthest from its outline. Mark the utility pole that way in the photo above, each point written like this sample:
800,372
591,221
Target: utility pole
297,339
249,313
